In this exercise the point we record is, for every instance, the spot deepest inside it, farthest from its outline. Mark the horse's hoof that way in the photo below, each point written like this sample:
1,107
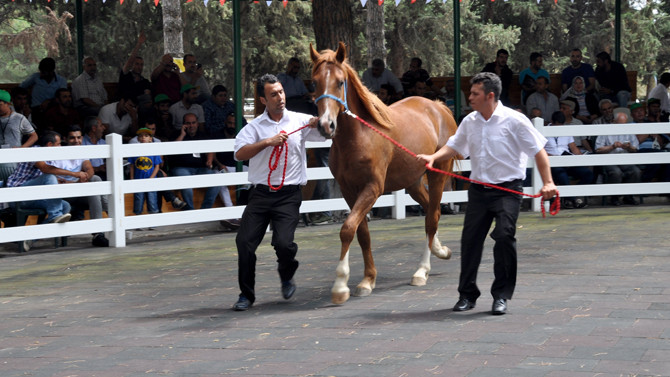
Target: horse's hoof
418,281
339,298
443,253
362,292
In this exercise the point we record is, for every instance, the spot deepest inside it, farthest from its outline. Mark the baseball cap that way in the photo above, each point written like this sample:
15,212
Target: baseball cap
653,100
186,88
4,96
161,98
635,105
144,131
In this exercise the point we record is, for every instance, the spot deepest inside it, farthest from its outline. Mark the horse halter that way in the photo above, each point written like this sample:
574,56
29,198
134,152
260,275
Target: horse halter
338,99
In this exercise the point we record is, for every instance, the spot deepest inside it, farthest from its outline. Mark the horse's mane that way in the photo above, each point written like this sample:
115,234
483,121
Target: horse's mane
372,104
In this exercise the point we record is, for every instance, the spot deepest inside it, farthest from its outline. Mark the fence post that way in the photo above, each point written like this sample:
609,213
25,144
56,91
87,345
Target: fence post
536,181
399,209
116,203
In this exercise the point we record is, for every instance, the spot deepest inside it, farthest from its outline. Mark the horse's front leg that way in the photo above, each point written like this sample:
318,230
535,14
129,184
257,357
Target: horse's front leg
340,290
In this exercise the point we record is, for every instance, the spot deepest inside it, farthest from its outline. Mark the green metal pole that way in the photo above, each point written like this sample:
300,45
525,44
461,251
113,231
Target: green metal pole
617,31
237,62
80,35
457,59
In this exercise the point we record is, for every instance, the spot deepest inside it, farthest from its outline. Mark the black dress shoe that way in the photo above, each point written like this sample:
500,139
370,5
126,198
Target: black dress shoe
287,289
463,304
242,304
499,306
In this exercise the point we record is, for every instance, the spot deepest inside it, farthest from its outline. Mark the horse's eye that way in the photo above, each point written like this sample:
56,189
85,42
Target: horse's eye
340,83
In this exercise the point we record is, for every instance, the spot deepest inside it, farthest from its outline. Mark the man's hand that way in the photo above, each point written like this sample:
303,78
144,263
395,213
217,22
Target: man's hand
548,191
278,139
428,160
314,122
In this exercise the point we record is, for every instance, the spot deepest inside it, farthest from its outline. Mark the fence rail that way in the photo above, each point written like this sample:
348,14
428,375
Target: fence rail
117,223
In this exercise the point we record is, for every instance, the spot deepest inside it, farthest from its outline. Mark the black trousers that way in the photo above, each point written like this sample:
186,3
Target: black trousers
283,209
484,206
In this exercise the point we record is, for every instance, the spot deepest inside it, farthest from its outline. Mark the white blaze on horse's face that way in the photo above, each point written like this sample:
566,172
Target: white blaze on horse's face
331,81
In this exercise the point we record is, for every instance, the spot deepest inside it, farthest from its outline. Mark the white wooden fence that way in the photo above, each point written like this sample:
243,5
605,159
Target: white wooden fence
117,223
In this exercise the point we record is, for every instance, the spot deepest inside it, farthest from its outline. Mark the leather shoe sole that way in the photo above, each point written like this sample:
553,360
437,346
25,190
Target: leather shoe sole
463,304
242,304
287,289
499,306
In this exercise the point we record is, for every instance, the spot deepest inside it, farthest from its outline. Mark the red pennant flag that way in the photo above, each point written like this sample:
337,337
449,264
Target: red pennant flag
222,2
285,3
156,2
380,2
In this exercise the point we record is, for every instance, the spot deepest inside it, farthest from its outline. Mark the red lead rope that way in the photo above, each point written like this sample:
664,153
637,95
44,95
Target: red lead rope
276,155
553,209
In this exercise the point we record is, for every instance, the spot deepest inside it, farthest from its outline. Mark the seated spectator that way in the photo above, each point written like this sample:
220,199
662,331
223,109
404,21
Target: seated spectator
193,163
377,75
420,89
612,80
386,94
93,203
88,92
21,102
607,110
131,82
167,195
587,103
449,97
649,143
565,146
187,105
63,115
93,131
225,162
120,117
567,107
542,99
44,173
578,69
14,128
165,79
44,85
297,96
619,173
660,92
637,113
653,110
163,118
535,113
194,74
144,167
528,77
500,68
216,109
414,74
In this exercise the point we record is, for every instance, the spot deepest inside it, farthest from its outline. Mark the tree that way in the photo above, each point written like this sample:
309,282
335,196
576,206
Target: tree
332,22
173,28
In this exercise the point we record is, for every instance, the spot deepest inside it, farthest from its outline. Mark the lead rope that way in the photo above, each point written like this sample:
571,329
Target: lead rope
276,155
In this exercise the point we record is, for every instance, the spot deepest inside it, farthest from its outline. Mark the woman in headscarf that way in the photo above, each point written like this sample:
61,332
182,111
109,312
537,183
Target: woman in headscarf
587,104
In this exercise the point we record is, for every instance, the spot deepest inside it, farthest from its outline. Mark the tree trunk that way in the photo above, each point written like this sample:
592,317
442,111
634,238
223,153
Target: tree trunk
173,28
332,22
374,32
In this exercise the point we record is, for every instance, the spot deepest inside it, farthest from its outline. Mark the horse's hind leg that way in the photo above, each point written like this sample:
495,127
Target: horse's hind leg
430,201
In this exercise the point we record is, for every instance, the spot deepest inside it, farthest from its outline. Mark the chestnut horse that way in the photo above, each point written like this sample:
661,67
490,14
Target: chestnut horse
365,164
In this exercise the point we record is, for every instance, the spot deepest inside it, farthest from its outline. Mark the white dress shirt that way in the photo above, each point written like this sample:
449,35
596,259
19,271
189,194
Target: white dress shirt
264,127
498,147
660,91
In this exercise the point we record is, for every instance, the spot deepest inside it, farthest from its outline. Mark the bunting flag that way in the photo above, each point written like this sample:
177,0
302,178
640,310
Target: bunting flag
363,3
285,2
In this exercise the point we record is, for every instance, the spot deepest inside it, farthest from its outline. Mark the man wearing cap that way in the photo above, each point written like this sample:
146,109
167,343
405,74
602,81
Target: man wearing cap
653,110
187,105
162,116
661,93
13,126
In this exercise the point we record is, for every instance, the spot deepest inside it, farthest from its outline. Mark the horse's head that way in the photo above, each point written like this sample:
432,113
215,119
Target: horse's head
330,79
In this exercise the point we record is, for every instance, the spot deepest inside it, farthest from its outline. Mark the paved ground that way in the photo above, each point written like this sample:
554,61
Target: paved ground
593,299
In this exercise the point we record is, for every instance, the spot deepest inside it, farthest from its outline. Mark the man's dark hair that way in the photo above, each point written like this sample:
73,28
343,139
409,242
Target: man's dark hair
47,65
664,79
89,122
378,63
19,91
61,90
218,89
131,98
74,128
418,61
188,56
557,117
294,60
490,81
267,78
48,137
534,55
576,49
183,119
389,89
502,51
546,80
604,56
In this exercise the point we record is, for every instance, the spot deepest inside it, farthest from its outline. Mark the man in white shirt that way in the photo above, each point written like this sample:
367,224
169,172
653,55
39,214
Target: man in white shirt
88,92
498,141
279,202
120,117
377,75
661,92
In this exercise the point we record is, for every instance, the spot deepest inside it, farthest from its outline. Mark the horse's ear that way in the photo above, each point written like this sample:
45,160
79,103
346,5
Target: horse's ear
341,52
312,52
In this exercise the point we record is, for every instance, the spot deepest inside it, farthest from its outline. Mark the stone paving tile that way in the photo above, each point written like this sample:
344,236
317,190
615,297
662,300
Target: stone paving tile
162,307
